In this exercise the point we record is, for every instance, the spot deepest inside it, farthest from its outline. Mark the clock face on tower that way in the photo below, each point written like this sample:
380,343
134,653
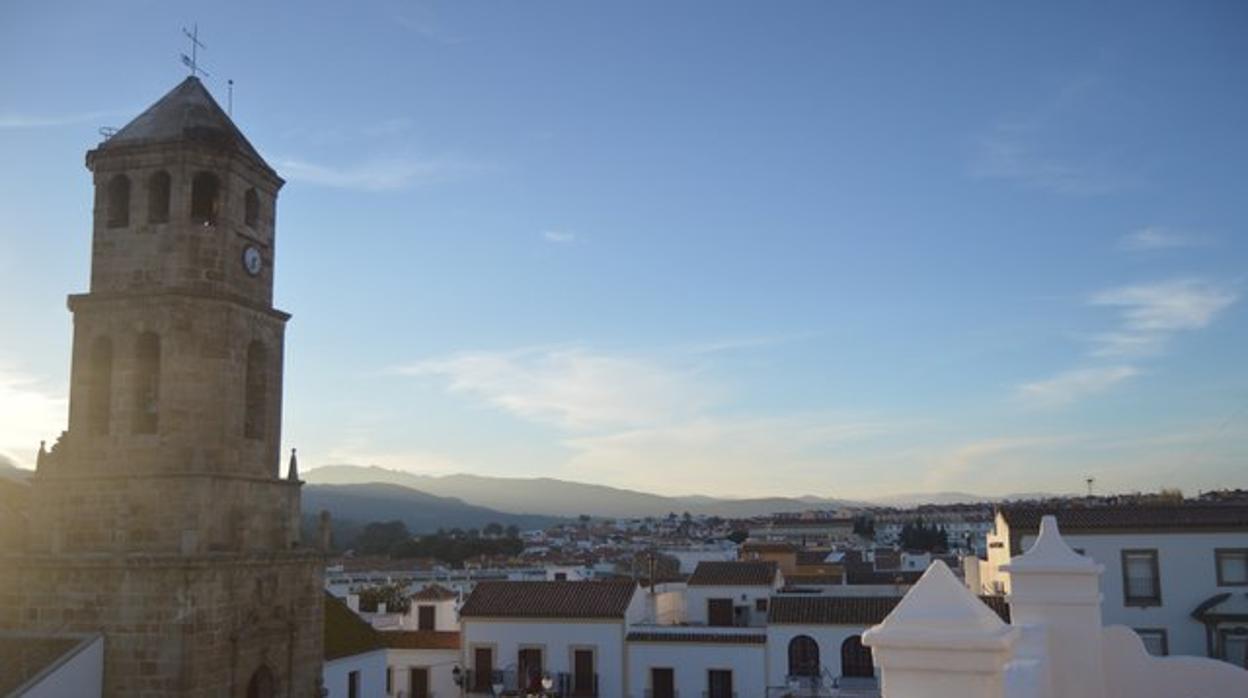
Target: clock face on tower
252,261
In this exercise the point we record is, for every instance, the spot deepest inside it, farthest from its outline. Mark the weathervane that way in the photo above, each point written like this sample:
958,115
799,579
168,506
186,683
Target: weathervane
192,61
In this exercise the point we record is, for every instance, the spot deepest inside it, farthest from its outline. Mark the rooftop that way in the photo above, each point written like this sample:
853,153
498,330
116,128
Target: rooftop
605,600
1173,517
186,113
24,657
735,573
849,610
347,634
420,639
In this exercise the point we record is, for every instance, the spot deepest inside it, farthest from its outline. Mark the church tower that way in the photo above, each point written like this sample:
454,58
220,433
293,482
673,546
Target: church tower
160,518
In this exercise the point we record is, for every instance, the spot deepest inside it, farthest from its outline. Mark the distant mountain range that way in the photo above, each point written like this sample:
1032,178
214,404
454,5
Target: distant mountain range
551,497
422,512
905,501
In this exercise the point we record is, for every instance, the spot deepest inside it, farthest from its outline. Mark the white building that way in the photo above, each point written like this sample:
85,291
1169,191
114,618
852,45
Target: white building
355,658
515,634
1175,574
942,642
731,593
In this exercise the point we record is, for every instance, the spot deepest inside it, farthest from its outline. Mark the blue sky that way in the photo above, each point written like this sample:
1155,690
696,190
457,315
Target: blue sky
722,247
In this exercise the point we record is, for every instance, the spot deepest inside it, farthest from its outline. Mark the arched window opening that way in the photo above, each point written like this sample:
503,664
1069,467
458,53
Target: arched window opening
856,658
262,684
205,193
804,657
147,383
158,189
251,208
256,400
99,386
119,201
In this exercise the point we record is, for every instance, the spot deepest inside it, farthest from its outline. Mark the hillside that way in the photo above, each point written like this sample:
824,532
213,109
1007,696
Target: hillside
422,512
552,497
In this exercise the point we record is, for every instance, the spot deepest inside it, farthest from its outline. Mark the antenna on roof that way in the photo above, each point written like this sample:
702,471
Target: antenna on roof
229,103
1090,481
192,61
108,132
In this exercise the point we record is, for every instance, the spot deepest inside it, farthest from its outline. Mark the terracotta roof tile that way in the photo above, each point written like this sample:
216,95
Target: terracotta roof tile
699,637
549,600
434,592
420,639
736,573
346,633
1164,517
847,610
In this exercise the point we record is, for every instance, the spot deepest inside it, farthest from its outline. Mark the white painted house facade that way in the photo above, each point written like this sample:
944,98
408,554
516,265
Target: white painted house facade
1176,574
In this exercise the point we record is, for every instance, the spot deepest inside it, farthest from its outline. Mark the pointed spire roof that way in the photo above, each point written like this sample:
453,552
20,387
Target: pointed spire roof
292,473
187,113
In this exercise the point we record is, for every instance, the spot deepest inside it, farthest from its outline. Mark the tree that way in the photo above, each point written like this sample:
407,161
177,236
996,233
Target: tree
513,531
738,536
379,538
394,596
917,535
864,526
493,529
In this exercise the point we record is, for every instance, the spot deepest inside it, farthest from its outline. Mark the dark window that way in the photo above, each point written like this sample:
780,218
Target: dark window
1232,566
251,208
803,657
561,576
418,683
119,201
147,383
719,683
261,684
205,192
584,682
424,618
158,188
257,390
483,666
100,386
856,658
760,605
662,682
1235,646
719,612
1141,578
529,669
1155,641
353,684
389,680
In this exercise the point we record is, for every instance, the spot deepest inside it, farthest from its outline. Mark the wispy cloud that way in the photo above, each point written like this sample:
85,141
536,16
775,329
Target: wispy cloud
1014,153
559,237
960,466
1069,386
571,388
388,174
1168,306
726,454
29,412
1025,150
1151,239
1148,316
24,121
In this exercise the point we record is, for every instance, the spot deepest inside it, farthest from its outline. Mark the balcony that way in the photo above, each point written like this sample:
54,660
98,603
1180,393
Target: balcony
508,683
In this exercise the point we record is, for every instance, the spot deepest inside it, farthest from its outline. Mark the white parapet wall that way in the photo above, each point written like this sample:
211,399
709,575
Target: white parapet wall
942,642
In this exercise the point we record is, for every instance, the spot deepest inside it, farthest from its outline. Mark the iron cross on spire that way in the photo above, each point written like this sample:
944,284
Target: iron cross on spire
192,61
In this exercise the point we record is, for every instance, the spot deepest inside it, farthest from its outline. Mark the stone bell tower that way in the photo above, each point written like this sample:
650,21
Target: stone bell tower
160,518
